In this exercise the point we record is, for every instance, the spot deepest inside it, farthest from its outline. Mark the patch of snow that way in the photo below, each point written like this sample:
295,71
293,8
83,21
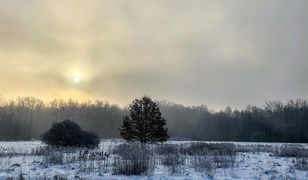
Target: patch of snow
248,165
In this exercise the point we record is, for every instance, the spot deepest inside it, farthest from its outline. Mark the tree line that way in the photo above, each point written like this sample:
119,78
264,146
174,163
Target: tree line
27,118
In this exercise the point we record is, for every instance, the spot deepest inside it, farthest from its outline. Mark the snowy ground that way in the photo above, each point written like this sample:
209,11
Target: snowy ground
16,159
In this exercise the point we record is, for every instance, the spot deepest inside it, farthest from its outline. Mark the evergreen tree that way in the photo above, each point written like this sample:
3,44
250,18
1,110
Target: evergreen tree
145,123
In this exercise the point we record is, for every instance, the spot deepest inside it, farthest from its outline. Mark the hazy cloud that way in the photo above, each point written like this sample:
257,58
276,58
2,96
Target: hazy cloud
215,52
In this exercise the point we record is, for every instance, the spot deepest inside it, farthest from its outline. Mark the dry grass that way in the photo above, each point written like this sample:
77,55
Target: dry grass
301,163
291,151
132,159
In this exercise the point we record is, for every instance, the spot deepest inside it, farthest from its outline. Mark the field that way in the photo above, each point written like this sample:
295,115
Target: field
114,159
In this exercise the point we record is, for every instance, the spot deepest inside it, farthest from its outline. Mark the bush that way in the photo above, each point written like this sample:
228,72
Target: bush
132,159
138,166
89,139
68,133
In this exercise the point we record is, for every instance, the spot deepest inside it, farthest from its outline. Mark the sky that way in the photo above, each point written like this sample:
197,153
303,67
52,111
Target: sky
214,52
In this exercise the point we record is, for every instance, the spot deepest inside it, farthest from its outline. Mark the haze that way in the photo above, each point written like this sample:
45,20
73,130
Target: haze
217,52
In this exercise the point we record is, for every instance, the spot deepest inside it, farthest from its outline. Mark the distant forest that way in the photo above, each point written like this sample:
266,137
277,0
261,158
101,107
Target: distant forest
26,118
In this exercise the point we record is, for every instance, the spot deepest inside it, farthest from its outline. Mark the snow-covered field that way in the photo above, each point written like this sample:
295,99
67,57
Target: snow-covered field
252,161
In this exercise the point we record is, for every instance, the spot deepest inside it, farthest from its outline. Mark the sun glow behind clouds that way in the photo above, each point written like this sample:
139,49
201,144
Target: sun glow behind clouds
78,74
119,50
77,79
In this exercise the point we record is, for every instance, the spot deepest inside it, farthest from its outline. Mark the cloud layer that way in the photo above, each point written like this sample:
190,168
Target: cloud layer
193,52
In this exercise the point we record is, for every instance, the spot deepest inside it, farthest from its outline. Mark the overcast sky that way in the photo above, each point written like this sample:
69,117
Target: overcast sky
219,52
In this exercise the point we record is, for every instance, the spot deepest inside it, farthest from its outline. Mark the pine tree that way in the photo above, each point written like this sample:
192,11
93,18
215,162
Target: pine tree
145,123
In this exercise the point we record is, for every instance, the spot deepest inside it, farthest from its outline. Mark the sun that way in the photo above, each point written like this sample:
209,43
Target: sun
76,79
77,76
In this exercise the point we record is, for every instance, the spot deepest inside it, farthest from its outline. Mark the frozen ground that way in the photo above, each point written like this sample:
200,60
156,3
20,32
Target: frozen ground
17,158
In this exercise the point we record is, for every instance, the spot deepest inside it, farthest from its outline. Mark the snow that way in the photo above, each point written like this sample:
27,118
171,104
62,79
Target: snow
248,165
261,166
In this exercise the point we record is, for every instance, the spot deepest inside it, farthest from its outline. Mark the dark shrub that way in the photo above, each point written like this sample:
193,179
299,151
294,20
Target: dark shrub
89,139
68,133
